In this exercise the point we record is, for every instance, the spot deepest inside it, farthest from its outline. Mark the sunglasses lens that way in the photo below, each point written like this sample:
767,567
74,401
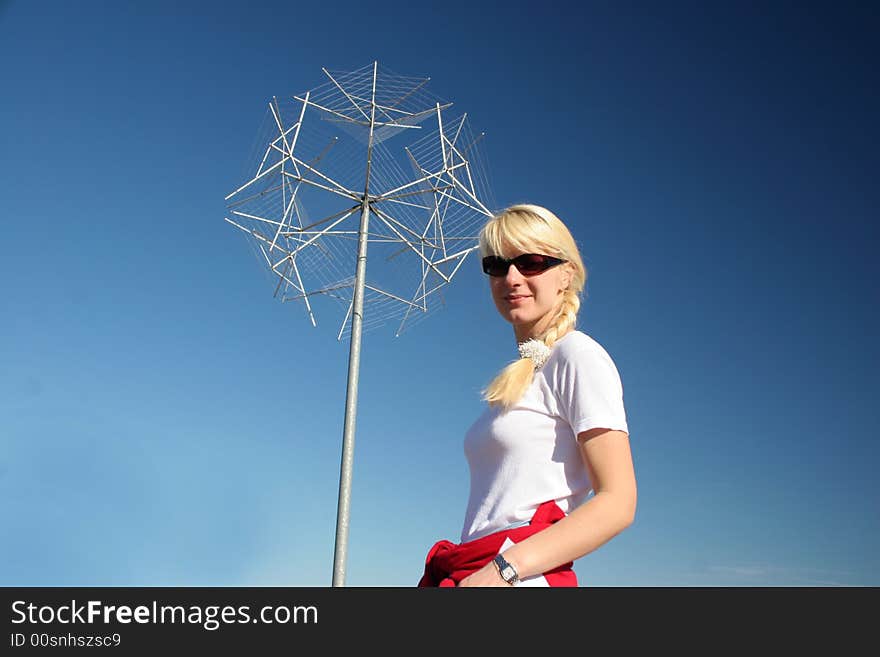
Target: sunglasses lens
495,265
528,264
531,263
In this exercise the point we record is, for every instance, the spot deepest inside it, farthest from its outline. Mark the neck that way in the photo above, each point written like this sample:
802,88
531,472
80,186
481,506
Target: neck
535,330
531,331
522,334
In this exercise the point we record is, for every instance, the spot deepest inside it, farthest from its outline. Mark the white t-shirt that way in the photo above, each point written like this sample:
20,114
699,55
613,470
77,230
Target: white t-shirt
528,455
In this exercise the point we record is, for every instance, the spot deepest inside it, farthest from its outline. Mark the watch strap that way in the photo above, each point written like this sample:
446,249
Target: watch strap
506,570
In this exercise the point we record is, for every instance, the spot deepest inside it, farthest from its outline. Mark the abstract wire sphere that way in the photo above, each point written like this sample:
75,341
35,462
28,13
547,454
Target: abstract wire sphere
364,139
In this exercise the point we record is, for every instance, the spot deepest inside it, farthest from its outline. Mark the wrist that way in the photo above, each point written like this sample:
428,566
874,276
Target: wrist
506,570
513,555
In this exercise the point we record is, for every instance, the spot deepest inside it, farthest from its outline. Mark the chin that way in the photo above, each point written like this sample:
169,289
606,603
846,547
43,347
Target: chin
518,319
516,316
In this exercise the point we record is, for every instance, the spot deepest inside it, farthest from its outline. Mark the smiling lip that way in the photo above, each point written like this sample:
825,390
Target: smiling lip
515,298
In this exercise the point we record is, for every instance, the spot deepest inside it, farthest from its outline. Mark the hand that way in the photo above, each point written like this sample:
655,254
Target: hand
488,575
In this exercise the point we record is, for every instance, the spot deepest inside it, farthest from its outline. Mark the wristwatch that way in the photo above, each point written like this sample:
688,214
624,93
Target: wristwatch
507,571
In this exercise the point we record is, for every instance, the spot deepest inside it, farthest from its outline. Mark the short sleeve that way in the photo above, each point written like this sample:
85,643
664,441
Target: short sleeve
589,390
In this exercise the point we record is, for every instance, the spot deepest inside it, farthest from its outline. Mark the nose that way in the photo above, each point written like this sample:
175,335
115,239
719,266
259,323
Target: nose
513,276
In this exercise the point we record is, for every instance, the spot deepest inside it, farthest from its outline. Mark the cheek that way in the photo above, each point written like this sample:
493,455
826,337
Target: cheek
556,285
547,294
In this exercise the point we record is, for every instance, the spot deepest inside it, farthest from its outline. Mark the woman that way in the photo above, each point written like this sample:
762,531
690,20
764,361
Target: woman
554,428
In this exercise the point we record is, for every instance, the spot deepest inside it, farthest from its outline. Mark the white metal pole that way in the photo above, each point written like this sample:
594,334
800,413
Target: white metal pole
354,359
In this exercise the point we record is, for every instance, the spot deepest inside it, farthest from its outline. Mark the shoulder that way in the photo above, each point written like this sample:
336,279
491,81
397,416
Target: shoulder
578,355
586,384
578,346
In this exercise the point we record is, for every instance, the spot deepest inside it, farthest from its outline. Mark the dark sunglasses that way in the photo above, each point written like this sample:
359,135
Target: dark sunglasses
528,264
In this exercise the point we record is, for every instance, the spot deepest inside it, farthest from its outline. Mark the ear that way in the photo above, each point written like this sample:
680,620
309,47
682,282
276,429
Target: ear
567,275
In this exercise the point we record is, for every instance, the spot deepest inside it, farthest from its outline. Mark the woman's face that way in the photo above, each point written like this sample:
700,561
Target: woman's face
528,302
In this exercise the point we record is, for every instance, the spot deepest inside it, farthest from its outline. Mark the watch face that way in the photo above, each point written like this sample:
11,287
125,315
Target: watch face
507,573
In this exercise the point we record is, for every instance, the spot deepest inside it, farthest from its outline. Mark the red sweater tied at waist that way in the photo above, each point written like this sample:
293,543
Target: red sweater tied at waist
448,563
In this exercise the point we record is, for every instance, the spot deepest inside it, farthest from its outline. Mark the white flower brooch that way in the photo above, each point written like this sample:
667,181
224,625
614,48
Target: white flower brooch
536,350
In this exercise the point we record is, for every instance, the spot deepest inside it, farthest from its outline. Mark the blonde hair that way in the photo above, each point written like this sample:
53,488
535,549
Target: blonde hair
528,228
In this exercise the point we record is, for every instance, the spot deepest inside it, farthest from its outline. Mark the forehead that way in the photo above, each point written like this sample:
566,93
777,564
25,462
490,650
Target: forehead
511,250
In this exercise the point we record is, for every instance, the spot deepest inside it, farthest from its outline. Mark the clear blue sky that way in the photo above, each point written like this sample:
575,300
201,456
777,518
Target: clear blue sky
165,421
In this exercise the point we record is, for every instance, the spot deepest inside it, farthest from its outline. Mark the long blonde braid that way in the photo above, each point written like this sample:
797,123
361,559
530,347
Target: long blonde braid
512,382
